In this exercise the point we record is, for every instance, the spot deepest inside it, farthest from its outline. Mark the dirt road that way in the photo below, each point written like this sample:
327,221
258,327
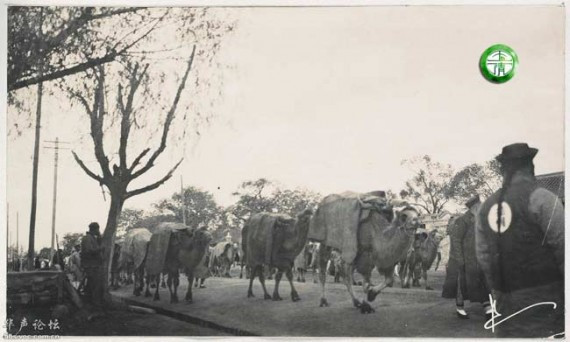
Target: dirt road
224,306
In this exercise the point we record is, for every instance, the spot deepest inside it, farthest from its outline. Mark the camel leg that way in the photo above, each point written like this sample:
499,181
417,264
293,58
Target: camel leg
262,281
417,275
365,306
156,295
190,276
424,275
276,288
176,282
148,280
324,253
169,282
388,276
241,271
373,291
294,295
252,274
348,280
138,285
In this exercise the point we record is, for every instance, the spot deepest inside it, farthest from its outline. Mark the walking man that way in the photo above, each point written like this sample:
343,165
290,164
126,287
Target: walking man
92,262
464,278
520,247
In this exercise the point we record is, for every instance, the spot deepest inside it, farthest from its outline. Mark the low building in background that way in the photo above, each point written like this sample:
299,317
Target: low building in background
553,182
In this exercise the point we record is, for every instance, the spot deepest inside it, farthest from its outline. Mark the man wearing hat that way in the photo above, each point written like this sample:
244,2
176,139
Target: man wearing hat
520,247
464,278
92,263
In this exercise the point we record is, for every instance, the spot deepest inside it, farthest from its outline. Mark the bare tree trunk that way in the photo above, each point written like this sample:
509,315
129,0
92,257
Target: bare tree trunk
117,201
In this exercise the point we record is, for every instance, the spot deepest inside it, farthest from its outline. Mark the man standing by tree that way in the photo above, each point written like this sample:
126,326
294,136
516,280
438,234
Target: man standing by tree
520,247
92,262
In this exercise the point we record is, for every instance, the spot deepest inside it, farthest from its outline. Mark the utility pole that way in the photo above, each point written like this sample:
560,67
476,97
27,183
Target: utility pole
39,51
183,200
7,230
18,240
56,149
56,153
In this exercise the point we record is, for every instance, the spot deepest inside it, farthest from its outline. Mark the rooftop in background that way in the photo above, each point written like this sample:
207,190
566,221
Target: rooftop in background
553,182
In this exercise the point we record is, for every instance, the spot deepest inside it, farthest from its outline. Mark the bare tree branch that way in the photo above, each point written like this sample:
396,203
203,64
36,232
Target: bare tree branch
153,185
97,118
86,169
91,63
126,112
168,121
138,159
64,72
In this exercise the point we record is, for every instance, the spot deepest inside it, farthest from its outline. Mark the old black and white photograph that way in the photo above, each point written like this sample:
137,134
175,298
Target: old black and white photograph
278,170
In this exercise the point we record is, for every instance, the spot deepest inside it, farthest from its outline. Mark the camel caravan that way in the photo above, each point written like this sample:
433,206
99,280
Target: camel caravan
347,233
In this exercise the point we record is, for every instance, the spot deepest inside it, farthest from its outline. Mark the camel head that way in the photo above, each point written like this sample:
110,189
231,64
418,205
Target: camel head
304,217
202,237
435,236
230,250
296,231
407,220
194,238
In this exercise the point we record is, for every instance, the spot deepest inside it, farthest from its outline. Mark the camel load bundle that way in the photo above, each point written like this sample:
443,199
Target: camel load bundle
336,221
158,246
133,247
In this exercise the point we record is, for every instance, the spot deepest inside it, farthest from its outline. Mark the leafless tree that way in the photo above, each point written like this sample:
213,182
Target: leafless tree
116,178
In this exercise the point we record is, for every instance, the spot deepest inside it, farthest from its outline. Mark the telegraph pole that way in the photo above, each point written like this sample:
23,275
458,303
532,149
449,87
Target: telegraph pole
36,154
54,196
18,240
56,149
7,231
183,200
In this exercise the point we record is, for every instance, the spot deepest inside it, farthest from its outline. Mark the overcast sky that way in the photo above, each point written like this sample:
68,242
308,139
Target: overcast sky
332,99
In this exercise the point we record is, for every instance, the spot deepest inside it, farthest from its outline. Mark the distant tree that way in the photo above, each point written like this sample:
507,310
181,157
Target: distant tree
200,207
483,179
292,202
44,253
129,218
151,221
70,240
429,188
253,197
263,195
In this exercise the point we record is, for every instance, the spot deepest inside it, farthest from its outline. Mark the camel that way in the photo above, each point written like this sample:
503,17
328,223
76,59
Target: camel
420,258
222,258
132,256
365,238
172,247
274,240
303,262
